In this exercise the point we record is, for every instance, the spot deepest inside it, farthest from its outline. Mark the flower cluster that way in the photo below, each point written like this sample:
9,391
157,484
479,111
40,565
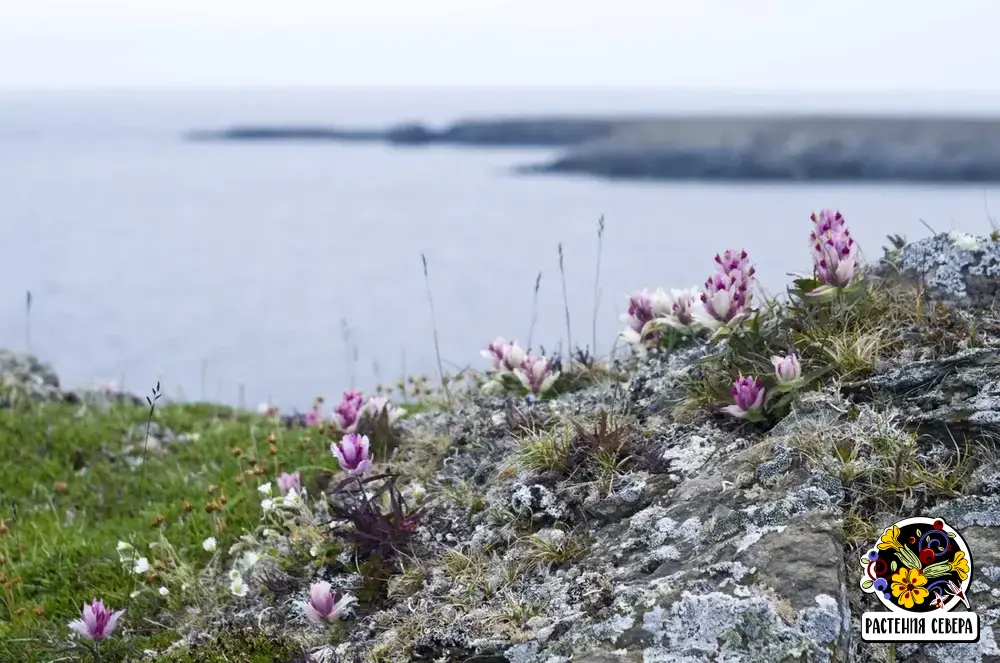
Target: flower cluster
352,407
729,291
348,411
834,251
650,312
506,355
536,374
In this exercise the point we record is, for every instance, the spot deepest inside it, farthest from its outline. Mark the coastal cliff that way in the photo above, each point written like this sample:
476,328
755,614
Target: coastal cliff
792,148
621,520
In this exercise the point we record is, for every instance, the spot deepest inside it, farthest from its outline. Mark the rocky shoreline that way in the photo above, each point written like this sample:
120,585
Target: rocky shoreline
784,149
716,539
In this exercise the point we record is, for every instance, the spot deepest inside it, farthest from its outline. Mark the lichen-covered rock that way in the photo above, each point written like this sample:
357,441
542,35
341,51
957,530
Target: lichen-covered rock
954,267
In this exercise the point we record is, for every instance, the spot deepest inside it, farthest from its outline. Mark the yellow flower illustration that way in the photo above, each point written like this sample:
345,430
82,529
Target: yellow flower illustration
960,565
908,587
890,539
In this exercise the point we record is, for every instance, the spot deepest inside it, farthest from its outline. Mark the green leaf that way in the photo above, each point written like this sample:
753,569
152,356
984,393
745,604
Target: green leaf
918,532
867,584
893,566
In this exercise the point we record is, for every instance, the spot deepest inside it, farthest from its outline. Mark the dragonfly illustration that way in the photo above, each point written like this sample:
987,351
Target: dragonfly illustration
955,590
938,601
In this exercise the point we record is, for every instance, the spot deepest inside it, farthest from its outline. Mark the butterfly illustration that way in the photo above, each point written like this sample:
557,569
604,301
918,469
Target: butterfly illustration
938,601
955,590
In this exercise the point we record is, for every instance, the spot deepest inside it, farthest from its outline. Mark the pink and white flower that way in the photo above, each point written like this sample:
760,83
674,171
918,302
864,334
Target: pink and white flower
536,374
323,605
353,453
96,622
505,355
348,411
834,251
378,404
787,369
288,482
729,291
748,394
643,309
684,306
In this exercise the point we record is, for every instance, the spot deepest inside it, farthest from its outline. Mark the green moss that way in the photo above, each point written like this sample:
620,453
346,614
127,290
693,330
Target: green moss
68,497
245,646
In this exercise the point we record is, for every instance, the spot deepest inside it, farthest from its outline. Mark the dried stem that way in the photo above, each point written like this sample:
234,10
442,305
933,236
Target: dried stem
437,345
534,310
569,339
597,286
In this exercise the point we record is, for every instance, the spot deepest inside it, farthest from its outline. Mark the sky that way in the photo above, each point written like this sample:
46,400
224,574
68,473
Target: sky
860,45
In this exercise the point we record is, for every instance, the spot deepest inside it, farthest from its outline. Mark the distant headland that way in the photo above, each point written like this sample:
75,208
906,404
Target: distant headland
767,148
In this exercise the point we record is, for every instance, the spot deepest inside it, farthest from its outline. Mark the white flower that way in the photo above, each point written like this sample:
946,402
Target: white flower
122,546
238,588
234,574
291,498
163,591
248,560
417,491
265,488
268,532
209,544
267,504
314,550
134,594
141,565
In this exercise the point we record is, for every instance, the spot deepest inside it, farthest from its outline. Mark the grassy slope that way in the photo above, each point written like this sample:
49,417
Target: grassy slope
60,549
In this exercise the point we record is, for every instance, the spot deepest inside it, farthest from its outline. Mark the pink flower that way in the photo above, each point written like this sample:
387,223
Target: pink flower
348,411
748,394
834,251
97,622
353,453
289,481
728,291
684,306
323,605
536,374
787,369
376,405
505,355
643,308
313,417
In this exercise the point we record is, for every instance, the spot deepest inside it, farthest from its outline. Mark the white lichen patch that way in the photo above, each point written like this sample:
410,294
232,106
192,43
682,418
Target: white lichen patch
612,629
754,534
690,455
965,241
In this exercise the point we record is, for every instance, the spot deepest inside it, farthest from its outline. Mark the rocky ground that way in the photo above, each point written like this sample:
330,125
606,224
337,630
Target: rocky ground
690,537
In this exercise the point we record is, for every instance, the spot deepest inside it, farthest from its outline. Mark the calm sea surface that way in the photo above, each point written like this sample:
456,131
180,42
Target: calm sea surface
211,266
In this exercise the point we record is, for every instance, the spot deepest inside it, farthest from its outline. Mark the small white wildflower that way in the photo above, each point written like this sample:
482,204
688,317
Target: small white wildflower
238,588
141,565
268,533
314,550
417,491
235,574
248,560
291,498
267,504
209,544
122,546
163,591
265,488
134,594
